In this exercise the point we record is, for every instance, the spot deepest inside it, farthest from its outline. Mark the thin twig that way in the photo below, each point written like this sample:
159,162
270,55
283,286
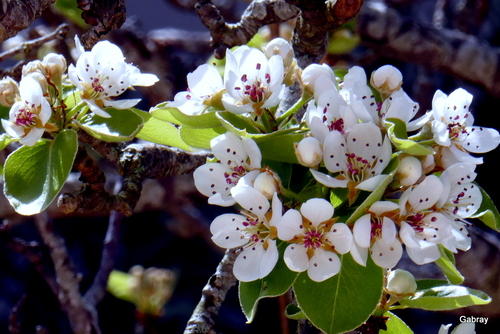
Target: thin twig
213,294
26,47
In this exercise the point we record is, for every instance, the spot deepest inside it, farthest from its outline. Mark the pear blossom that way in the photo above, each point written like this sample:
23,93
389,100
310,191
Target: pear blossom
463,328
205,88
461,199
29,116
315,76
102,73
309,152
252,81
399,105
237,157
359,96
401,282
452,126
9,91
359,158
377,231
253,230
422,228
280,46
315,239
387,79
409,171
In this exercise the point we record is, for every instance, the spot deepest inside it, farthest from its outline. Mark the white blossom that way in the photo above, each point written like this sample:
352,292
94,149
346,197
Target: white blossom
387,79
205,88
315,76
401,282
409,170
252,81
315,239
309,152
102,74
29,115
237,157
253,230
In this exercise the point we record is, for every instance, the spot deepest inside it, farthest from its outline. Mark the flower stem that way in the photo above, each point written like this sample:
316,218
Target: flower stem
285,118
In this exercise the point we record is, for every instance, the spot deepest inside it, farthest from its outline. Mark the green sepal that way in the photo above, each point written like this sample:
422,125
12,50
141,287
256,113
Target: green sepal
446,297
344,301
447,264
395,325
275,284
175,116
160,132
34,175
396,129
488,212
123,125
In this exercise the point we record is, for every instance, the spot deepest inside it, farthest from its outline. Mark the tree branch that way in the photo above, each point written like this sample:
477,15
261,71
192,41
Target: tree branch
450,51
16,15
212,296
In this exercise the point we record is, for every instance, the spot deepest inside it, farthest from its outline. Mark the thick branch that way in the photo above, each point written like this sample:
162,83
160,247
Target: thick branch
258,14
203,319
16,15
450,51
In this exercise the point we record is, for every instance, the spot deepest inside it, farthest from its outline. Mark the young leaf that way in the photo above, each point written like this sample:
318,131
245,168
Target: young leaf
396,129
395,325
275,284
123,125
200,138
447,264
160,132
344,301
35,175
448,297
173,115
488,212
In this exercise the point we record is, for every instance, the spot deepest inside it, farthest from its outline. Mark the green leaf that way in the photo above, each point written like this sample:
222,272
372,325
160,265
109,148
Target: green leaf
174,115
240,125
119,286
35,175
69,9
344,301
5,140
294,312
395,325
375,196
443,298
279,145
160,132
338,196
200,138
396,129
123,125
275,284
447,264
428,283
488,212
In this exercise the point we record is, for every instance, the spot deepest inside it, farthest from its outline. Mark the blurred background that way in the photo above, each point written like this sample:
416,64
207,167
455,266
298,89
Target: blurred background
170,227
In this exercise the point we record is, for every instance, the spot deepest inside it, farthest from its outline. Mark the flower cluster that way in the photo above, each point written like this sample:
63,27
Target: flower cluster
38,103
362,135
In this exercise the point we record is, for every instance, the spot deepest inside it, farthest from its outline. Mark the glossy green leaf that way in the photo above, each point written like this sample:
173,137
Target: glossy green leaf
395,325
448,297
396,129
343,302
238,124
488,212
279,145
275,284
160,132
34,175
123,125
5,140
200,138
174,115
294,312
423,284
447,264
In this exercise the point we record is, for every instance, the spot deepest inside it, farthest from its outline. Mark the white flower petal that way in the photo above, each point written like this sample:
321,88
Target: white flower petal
481,140
290,225
121,104
251,200
253,152
327,180
386,255
323,265
227,231
372,183
334,152
426,194
296,258
381,207
362,231
359,254
317,210
426,253
389,231
247,266
441,133
340,237
229,149
210,179
32,137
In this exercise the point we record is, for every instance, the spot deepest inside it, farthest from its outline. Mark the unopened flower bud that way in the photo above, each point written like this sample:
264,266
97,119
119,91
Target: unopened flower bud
428,164
55,65
309,152
41,79
267,183
387,79
280,46
409,170
401,282
312,73
9,90
34,66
